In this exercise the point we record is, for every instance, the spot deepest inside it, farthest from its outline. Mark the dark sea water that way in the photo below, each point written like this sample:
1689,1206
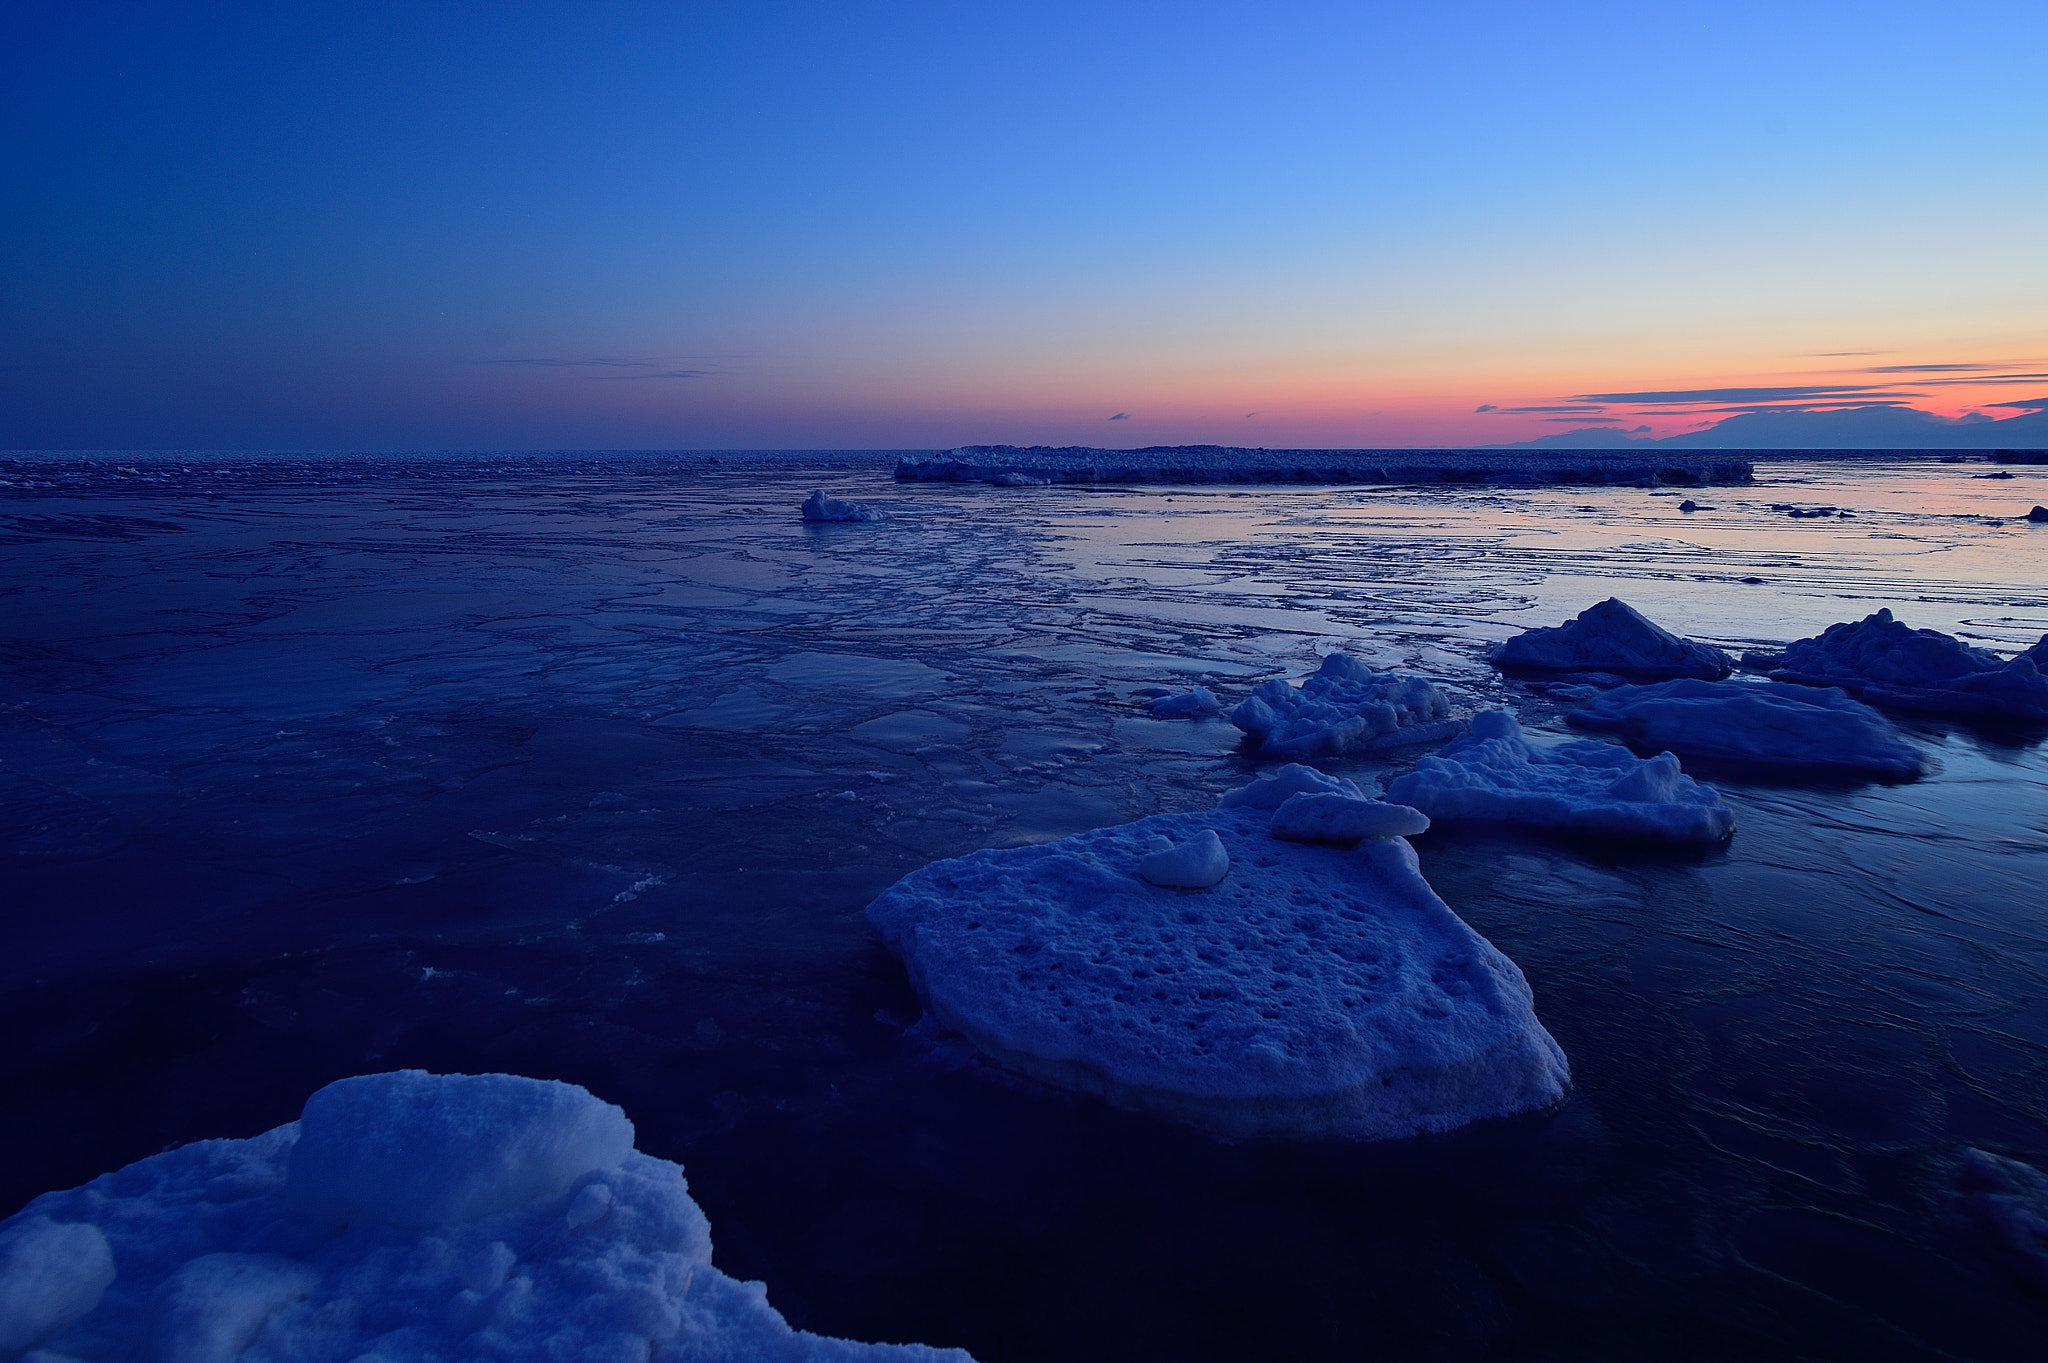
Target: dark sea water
585,767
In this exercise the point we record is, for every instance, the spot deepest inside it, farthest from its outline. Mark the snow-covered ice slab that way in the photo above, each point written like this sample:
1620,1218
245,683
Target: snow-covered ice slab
819,507
1345,707
1776,729
1612,637
1495,776
1196,704
404,1217
1315,992
1887,663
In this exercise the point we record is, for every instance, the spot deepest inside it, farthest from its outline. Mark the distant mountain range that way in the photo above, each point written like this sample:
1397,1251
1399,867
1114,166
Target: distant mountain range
1858,428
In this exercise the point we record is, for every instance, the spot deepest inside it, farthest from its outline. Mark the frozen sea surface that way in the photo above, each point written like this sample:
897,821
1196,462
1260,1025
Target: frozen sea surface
586,767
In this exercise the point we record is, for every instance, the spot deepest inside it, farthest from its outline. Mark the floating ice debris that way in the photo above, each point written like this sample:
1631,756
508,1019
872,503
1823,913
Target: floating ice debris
1495,776
1196,864
1314,993
1343,819
1772,728
1271,792
1187,705
1891,665
2012,1198
1688,505
2038,514
538,1233
1345,707
1611,637
819,507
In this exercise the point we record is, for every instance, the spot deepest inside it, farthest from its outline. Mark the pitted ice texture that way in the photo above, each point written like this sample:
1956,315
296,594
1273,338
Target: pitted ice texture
1773,729
217,1262
1612,636
1315,992
1495,777
1883,661
1344,707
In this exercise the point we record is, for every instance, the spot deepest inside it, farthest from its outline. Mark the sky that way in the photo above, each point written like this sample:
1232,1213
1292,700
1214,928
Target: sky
891,225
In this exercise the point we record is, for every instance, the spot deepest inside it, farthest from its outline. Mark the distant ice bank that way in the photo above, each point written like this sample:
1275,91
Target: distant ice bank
403,1217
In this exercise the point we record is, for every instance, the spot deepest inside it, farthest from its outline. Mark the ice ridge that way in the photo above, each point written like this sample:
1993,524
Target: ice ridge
1615,637
1036,465
1883,661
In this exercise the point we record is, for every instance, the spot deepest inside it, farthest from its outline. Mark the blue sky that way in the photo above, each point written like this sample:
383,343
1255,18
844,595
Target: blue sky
914,225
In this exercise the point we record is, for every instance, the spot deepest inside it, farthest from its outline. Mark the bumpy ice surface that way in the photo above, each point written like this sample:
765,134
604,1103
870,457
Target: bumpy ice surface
1495,776
1344,707
1888,663
1316,992
404,1216
1615,637
819,507
1774,728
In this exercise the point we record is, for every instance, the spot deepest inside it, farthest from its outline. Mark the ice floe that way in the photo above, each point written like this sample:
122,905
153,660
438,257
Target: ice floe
1345,707
1313,992
1889,664
1613,637
1775,729
404,1217
819,507
1193,704
1494,775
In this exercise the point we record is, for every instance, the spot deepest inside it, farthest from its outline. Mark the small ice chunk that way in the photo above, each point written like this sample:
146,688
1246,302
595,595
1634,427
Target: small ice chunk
592,1203
1345,706
1888,664
1187,705
1612,636
1308,996
209,1310
51,1273
2038,514
1343,819
819,507
1270,792
1773,728
1496,776
416,1149
1195,864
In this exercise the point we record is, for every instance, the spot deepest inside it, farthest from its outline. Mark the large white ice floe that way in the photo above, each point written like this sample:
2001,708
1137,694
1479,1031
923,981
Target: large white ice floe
404,1217
1494,775
1315,992
819,507
1774,729
1614,637
1345,707
1889,664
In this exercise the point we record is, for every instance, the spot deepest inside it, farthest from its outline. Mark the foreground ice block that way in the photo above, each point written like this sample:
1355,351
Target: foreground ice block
1344,707
1889,664
1495,776
819,507
1315,992
316,1241
1612,636
1775,729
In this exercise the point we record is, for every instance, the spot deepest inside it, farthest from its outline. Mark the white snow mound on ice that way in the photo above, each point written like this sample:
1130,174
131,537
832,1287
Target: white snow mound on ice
1494,775
1615,637
1196,864
1887,663
217,1263
1314,993
819,507
1772,728
1271,792
1344,707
